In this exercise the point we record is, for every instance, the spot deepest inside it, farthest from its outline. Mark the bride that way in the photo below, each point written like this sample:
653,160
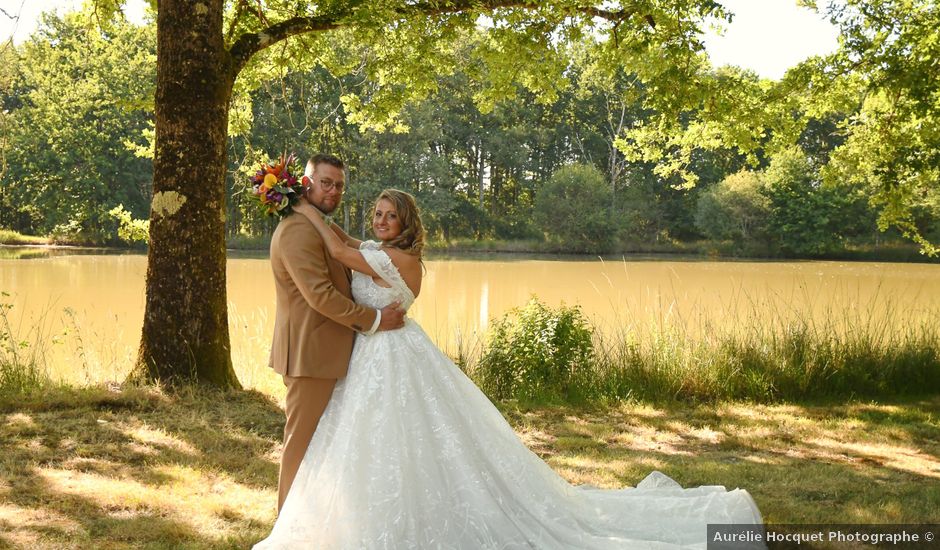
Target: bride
411,454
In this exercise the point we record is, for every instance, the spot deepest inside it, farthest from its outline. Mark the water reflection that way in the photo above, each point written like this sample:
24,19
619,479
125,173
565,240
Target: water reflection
94,302
16,252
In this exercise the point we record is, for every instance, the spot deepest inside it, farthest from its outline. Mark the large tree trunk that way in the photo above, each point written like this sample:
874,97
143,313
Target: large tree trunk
185,333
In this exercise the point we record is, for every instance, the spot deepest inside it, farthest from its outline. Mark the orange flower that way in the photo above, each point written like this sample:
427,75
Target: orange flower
270,181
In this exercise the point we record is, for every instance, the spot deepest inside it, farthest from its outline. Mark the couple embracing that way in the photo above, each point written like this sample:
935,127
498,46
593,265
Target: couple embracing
388,445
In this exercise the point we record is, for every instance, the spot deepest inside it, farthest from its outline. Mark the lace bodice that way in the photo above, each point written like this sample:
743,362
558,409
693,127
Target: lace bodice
367,292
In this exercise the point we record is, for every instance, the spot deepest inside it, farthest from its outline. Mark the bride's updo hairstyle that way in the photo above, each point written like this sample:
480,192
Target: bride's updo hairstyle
411,238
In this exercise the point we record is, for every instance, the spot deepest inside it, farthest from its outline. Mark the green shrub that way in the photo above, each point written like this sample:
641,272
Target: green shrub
574,208
537,352
734,209
806,218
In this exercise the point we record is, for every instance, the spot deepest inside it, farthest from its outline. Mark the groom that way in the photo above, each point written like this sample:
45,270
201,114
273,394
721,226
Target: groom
316,319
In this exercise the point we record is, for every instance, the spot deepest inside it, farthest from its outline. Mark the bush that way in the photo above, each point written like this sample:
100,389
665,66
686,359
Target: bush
574,208
734,209
806,218
536,352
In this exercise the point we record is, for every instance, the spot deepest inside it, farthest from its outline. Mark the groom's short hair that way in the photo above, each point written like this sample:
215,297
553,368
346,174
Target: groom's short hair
324,158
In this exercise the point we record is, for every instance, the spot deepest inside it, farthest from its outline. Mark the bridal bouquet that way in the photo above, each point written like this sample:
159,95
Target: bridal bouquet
276,186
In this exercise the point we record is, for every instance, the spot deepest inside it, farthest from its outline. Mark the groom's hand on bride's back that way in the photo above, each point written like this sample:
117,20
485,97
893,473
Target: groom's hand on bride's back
393,317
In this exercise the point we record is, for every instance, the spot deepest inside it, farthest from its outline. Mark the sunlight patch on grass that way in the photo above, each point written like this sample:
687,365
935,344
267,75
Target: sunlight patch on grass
151,437
605,469
651,439
706,435
891,456
20,421
576,476
753,433
106,492
595,470
648,463
642,411
787,415
198,501
763,459
33,444
22,526
540,442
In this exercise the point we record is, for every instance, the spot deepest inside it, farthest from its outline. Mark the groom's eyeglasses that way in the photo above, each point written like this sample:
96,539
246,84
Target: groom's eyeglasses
329,185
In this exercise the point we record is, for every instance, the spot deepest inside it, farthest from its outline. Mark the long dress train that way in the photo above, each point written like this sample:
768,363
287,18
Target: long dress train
411,454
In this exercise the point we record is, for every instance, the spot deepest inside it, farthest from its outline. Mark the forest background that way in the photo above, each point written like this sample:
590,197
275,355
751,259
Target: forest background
582,166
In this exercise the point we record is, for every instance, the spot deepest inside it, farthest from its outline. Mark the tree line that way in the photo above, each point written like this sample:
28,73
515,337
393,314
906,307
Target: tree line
77,131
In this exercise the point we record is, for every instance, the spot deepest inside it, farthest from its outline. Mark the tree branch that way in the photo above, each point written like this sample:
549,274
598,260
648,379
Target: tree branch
249,44
239,8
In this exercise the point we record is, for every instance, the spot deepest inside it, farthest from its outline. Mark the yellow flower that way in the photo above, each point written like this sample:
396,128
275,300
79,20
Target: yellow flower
270,180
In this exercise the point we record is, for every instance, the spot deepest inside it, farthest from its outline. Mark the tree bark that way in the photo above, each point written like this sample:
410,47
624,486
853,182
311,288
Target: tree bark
185,332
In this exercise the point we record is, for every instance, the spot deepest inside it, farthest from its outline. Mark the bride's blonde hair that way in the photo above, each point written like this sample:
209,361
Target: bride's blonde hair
411,238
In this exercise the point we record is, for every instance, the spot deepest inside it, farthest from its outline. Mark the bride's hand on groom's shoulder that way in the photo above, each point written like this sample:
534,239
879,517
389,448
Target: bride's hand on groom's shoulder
393,317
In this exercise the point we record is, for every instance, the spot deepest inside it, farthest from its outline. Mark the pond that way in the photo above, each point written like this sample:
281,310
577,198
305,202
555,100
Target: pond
87,306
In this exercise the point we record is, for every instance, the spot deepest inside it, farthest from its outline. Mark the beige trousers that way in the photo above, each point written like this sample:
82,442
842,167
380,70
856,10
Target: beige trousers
306,400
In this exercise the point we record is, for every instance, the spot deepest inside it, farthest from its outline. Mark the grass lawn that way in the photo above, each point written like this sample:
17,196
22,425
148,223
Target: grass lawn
105,468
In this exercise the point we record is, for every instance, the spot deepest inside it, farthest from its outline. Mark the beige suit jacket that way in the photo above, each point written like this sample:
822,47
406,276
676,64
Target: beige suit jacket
316,318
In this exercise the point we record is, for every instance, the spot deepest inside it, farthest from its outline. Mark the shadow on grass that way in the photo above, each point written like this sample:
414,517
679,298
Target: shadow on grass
99,469
856,462
93,468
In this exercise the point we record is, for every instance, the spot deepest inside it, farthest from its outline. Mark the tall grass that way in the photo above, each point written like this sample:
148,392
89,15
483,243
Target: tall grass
799,363
22,353
767,359
8,236
538,353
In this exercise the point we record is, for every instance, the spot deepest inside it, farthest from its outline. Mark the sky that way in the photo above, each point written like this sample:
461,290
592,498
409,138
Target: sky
766,36
29,11
770,36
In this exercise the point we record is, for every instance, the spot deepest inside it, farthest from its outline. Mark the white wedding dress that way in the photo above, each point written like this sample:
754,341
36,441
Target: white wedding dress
411,454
